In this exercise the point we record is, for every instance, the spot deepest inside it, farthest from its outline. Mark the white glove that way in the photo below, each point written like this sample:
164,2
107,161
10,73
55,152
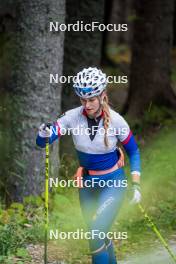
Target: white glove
136,194
44,131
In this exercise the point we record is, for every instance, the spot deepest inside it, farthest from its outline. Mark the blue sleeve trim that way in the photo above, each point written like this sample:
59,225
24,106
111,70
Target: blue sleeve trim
41,142
133,153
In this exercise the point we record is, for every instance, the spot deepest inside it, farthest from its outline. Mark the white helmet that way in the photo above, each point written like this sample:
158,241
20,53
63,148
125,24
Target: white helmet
90,82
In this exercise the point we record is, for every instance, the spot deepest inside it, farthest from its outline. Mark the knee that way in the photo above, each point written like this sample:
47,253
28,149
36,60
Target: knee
108,242
99,249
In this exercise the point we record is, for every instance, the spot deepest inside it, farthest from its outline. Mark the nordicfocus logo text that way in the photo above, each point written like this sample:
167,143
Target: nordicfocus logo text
55,78
81,182
81,130
93,234
81,26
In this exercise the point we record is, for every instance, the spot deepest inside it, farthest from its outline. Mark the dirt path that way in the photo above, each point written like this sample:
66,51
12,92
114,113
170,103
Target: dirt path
36,252
158,255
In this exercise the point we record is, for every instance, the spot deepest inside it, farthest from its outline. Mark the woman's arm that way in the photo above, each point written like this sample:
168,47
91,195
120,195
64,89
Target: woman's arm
133,153
128,141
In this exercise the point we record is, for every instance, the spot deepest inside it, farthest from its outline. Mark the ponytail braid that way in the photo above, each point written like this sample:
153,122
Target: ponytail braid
107,118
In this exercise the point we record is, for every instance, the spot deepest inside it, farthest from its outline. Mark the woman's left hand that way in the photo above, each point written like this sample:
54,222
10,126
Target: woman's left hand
136,194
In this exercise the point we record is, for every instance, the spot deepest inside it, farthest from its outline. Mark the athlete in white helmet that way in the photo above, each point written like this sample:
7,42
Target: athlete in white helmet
90,82
99,158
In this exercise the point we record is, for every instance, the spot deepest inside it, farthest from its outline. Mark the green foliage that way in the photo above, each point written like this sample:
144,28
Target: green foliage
119,54
21,224
173,74
133,18
68,166
22,252
11,238
155,118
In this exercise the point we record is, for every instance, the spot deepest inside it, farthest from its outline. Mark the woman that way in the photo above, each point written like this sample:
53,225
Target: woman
98,155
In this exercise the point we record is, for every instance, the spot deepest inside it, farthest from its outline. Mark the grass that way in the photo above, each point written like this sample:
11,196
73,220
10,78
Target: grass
159,196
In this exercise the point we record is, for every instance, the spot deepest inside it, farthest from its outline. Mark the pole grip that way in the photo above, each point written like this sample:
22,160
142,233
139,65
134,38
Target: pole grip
47,125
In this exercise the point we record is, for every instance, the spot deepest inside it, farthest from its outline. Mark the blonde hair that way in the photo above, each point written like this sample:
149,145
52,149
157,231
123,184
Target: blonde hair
107,118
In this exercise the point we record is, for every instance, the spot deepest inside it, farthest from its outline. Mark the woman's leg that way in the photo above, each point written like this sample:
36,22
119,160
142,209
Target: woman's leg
107,202
111,252
88,201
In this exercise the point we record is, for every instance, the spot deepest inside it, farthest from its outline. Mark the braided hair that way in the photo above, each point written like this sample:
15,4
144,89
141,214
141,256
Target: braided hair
107,118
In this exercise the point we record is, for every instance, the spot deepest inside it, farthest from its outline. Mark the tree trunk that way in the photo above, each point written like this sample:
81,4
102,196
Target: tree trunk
120,12
107,16
82,49
174,25
34,53
116,12
150,67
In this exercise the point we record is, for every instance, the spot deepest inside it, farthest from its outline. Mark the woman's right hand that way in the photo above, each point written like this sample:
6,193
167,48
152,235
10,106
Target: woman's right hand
45,131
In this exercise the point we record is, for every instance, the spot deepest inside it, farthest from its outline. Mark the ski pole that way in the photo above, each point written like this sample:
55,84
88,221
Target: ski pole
155,229
46,195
